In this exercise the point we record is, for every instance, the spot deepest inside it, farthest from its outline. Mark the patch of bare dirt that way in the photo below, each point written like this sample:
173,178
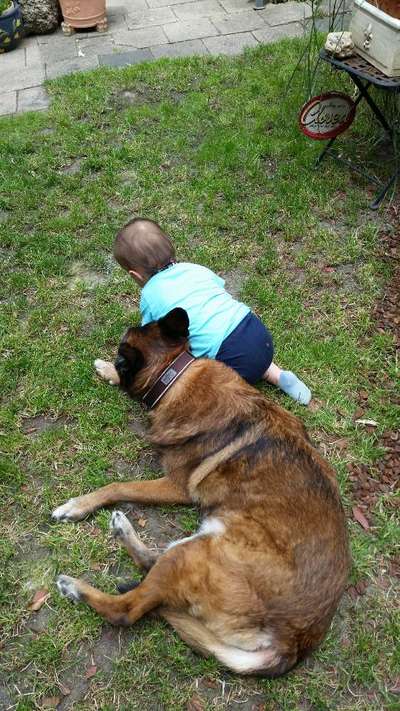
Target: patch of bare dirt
41,423
90,661
4,215
46,131
234,281
73,167
370,482
82,274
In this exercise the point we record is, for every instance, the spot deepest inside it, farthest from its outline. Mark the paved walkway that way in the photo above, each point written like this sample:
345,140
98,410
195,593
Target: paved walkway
142,30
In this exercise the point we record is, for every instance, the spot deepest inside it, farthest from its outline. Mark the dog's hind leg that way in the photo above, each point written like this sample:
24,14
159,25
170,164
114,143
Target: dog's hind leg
154,491
117,609
121,528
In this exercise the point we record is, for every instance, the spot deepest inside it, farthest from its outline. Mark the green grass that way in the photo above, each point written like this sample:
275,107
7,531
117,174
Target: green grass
211,150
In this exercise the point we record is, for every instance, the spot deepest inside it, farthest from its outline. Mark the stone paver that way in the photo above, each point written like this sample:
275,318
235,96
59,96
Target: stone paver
34,99
180,49
144,30
149,18
287,12
240,22
231,44
29,76
145,37
181,31
8,103
201,8
123,59
68,66
273,34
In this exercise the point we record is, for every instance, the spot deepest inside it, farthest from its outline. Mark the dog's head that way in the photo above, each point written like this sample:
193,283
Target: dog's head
145,351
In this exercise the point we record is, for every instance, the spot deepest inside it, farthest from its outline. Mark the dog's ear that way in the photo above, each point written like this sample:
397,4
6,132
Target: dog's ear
128,362
175,324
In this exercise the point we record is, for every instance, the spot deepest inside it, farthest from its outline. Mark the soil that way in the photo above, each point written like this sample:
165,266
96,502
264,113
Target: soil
81,274
73,167
234,281
41,423
370,482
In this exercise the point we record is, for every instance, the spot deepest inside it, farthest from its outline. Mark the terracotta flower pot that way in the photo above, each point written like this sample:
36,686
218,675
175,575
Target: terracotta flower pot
83,13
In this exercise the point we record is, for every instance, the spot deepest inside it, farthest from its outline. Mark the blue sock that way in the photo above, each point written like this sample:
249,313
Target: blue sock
295,388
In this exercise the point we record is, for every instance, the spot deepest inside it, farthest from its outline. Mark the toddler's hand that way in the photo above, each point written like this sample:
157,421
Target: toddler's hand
106,371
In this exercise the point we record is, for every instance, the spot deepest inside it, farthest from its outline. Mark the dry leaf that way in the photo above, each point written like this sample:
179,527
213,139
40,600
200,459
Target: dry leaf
90,671
360,518
195,704
39,599
65,690
367,422
396,688
142,522
314,405
50,702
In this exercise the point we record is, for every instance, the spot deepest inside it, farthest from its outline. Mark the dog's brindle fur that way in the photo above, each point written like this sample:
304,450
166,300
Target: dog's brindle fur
258,585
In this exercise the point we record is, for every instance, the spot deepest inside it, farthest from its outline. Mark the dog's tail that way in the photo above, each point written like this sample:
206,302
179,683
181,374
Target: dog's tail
268,662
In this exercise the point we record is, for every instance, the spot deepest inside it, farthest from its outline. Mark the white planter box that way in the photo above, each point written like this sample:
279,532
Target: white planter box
376,36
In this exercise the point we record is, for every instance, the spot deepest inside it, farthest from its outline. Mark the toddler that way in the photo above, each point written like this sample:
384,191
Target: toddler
219,326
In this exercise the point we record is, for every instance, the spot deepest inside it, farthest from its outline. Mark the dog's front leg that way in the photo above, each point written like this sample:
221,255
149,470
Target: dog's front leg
156,491
121,528
117,609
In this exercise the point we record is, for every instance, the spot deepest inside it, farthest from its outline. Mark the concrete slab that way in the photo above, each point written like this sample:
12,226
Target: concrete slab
150,18
69,66
180,49
12,61
30,76
240,22
144,37
8,103
234,6
201,8
274,34
124,59
231,44
181,31
92,47
165,3
34,99
286,12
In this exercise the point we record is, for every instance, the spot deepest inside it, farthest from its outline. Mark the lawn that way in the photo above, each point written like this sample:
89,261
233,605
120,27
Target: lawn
211,150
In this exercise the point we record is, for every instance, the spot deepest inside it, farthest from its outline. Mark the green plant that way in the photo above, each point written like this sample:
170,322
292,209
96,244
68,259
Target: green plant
5,5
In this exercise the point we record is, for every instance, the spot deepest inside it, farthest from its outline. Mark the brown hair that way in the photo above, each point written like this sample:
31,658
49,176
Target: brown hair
142,245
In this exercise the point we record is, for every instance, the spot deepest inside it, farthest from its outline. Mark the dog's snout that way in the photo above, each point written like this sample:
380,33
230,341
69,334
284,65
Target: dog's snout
120,362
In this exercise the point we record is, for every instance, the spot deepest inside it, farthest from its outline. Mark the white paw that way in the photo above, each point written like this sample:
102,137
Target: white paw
68,588
106,371
68,512
120,527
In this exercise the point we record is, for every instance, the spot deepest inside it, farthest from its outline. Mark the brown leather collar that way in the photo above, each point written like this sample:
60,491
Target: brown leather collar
167,378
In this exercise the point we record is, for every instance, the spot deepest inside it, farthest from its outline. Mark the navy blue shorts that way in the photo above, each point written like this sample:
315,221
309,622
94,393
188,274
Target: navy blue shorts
248,349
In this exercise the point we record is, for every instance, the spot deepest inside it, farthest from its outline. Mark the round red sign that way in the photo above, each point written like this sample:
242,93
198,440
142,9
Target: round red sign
327,115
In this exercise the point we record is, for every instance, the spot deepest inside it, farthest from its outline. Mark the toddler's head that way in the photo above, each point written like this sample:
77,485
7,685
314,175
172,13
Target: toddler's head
142,248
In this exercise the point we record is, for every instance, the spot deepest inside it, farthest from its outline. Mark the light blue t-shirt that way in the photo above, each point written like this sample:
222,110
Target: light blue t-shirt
213,313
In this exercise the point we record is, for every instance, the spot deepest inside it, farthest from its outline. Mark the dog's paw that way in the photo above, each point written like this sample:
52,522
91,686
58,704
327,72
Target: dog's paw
70,511
120,527
106,371
68,587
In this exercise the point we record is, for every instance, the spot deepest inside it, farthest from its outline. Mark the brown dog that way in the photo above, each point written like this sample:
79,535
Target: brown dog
258,584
